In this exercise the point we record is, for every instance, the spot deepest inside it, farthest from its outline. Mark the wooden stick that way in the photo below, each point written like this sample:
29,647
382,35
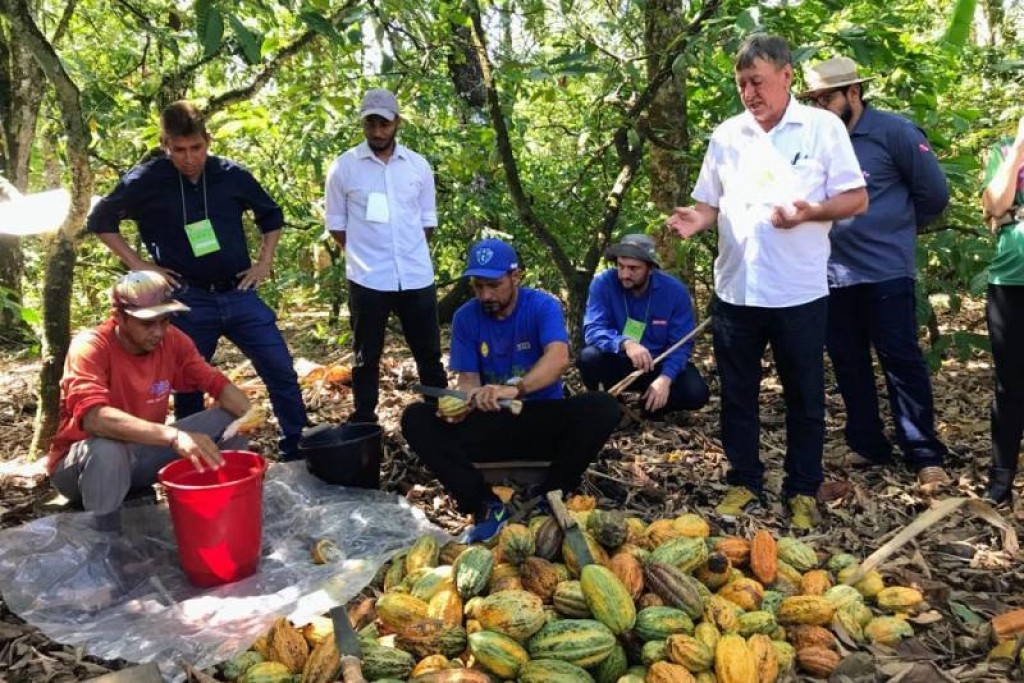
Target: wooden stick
925,520
631,377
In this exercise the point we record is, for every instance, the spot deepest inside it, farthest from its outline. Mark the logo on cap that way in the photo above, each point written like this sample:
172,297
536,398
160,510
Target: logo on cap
484,255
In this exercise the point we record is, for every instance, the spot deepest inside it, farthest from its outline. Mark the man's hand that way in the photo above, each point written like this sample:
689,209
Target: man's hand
686,221
486,397
656,395
791,215
253,277
638,355
199,449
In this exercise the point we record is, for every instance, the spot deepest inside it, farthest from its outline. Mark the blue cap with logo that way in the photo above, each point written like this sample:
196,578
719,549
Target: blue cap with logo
490,259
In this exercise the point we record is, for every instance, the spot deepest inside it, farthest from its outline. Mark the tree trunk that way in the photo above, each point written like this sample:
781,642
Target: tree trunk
22,87
60,263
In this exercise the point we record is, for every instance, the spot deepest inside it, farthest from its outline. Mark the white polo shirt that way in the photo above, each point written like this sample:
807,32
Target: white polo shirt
383,208
746,172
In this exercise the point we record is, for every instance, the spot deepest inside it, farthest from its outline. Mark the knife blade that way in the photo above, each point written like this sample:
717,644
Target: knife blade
348,646
512,405
573,533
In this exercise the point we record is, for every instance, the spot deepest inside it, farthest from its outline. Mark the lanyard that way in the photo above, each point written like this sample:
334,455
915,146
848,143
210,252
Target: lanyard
647,310
184,213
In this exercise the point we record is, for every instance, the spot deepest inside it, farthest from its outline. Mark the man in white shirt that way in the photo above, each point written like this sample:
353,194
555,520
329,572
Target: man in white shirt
774,179
381,209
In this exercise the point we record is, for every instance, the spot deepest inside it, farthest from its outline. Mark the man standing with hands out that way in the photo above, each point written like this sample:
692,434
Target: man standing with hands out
871,277
381,209
774,179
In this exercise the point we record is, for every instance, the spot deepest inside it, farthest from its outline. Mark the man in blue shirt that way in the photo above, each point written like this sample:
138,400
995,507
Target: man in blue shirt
509,342
188,207
871,277
634,313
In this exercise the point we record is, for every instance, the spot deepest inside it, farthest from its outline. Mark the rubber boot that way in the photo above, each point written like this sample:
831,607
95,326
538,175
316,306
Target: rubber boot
1000,485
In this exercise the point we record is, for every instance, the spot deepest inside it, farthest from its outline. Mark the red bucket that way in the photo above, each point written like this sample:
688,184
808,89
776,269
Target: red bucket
217,516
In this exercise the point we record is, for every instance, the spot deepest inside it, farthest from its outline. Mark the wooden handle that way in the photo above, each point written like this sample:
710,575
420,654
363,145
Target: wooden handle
621,385
351,669
512,405
565,520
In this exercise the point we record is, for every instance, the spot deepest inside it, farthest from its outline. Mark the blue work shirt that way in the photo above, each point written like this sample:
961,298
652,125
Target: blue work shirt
665,309
499,350
161,201
906,190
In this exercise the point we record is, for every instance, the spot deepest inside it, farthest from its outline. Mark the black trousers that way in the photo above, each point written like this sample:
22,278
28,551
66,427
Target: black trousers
1005,316
689,391
569,432
797,338
369,310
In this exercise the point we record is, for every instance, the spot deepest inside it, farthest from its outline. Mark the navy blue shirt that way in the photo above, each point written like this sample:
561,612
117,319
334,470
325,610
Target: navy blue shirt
665,309
161,201
906,190
499,350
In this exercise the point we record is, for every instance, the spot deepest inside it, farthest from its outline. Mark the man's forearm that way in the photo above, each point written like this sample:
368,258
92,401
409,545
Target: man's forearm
268,247
111,423
548,369
120,248
843,205
233,400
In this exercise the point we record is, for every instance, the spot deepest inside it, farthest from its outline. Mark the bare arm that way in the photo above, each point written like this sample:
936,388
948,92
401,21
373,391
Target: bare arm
233,400
260,271
843,205
110,423
688,221
131,258
998,195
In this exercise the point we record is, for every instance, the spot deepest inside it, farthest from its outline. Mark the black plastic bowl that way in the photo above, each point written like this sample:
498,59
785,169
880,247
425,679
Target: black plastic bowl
344,455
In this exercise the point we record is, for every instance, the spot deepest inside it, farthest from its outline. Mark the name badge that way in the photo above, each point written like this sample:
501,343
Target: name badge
201,237
377,208
634,329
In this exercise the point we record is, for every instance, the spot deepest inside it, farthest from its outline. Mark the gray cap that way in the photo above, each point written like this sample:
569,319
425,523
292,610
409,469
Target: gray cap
638,246
379,102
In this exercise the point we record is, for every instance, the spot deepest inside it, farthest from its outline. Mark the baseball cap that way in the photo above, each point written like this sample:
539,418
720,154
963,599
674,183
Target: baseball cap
490,259
145,294
638,246
379,102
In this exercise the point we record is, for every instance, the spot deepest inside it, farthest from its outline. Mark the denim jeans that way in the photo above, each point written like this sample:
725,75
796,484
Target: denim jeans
242,317
689,391
569,432
882,315
369,310
797,338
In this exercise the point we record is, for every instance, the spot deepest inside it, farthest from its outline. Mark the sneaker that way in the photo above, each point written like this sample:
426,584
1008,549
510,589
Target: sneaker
737,499
487,523
932,478
804,513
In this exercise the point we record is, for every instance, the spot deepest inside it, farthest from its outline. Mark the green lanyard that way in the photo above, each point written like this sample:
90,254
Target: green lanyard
200,234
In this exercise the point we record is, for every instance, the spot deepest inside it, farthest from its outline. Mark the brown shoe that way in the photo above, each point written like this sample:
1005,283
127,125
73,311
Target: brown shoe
856,461
931,478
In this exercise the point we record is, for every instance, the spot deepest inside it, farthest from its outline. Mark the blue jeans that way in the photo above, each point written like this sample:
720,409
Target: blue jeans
797,338
882,315
251,325
688,390
369,310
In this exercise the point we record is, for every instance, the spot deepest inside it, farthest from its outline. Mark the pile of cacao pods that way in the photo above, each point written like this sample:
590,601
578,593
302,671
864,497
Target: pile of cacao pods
663,602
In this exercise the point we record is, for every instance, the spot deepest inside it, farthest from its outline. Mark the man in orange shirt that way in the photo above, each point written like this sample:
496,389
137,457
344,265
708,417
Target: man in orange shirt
118,377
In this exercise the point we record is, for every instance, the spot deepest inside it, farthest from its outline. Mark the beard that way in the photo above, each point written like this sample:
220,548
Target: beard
846,113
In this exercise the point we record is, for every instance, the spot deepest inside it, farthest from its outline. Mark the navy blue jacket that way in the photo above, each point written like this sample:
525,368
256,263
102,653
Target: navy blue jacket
906,190
155,195
665,308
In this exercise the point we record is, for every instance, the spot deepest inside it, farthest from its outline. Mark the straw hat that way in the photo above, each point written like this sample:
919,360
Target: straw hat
832,73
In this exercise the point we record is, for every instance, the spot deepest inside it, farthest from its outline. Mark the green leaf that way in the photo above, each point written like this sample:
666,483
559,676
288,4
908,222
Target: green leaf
966,614
249,41
960,23
319,23
209,27
749,20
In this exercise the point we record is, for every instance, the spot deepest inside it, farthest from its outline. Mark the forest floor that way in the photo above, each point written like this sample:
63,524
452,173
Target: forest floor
968,567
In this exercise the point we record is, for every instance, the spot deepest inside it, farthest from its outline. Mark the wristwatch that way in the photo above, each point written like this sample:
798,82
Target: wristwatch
517,382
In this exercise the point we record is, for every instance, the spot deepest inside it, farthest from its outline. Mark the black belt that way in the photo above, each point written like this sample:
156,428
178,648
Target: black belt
220,286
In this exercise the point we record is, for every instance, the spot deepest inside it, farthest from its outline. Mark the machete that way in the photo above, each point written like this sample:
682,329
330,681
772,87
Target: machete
512,405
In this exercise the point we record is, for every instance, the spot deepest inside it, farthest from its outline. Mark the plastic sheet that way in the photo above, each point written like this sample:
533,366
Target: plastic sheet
125,596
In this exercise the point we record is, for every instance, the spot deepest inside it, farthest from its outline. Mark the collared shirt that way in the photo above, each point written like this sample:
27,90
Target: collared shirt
499,350
746,172
1007,266
664,309
99,371
161,201
385,249
907,190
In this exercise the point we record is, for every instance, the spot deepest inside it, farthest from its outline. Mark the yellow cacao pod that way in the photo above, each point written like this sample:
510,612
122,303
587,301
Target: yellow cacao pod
766,661
734,662
805,609
898,599
450,406
667,672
